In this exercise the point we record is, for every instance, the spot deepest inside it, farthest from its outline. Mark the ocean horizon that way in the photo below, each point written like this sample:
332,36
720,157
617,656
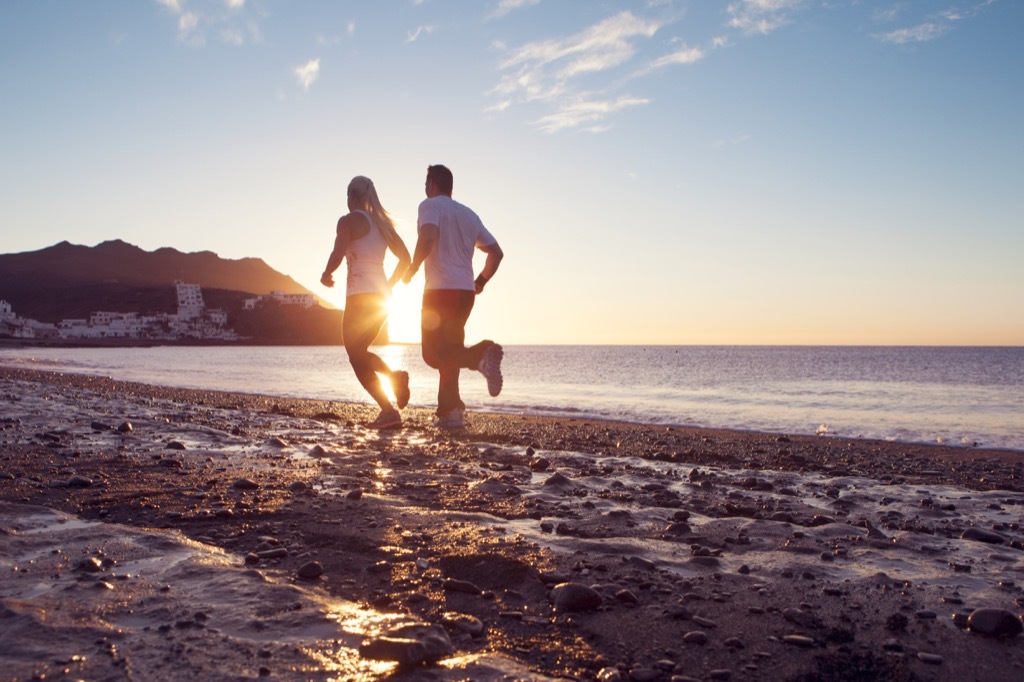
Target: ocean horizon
969,396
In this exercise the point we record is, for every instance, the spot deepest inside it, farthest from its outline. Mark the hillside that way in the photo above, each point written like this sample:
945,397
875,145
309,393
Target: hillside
71,281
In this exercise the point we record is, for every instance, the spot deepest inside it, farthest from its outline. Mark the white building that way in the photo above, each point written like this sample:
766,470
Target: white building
190,300
303,300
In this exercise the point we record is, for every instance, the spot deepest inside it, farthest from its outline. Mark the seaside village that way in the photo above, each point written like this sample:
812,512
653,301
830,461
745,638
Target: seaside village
193,321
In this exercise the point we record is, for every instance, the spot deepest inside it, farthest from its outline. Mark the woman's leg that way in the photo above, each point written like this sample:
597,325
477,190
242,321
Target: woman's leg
364,317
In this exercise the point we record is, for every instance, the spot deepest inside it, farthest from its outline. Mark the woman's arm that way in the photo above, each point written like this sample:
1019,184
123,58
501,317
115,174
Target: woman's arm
341,242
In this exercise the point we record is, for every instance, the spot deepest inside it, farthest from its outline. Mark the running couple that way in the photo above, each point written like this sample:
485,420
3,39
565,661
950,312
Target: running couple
448,234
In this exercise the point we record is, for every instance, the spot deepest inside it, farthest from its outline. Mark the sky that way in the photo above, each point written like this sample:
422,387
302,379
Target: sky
663,172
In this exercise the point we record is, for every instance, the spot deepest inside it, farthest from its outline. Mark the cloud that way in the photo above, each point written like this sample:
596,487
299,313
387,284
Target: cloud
921,33
227,19
550,71
506,6
411,36
934,26
684,55
187,23
761,16
542,70
308,73
585,111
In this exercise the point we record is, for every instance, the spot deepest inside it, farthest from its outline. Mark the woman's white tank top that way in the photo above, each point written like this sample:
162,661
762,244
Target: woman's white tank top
365,258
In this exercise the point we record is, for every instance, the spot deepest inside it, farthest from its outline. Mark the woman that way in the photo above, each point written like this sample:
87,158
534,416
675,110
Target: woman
363,237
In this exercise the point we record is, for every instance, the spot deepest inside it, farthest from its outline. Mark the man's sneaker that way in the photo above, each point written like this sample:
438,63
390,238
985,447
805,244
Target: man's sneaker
490,366
387,419
400,386
455,419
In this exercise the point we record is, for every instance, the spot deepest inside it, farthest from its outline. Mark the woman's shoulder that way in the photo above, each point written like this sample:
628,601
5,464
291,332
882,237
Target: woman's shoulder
356,222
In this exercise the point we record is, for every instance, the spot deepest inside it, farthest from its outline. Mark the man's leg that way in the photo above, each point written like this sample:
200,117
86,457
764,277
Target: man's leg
445,312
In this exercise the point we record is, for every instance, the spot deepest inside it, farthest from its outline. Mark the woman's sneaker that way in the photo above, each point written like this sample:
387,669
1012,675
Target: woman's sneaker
490,366
387,419
400,386
455,419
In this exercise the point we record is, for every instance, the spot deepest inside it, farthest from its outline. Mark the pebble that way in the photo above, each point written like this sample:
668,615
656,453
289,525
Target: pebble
982,535
696,637
609,675
409,645
80,482
298,487
463,622
627,597
802,618
311,570
176,445
930,659
799,640
645,674
454,585
276,553
125,427
245,484
575,597
558,480
704,622
994,622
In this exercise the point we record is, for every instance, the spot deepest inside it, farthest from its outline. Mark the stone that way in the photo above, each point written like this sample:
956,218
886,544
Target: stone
575,597
311,570
245,484
982,535
453,585
80,482
696,637
463,622
994,622
801,641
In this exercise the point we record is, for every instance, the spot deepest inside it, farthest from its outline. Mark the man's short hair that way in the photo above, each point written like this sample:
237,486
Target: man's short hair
442,178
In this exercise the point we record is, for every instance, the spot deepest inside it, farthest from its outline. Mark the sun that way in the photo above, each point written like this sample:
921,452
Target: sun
404,313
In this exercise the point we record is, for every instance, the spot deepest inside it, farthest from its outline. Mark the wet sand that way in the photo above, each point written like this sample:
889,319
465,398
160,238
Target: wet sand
161,534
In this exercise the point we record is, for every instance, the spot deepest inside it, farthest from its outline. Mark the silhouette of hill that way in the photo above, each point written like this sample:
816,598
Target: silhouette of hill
71,281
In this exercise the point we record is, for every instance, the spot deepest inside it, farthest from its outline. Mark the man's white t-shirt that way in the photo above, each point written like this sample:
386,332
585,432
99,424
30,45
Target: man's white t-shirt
459,232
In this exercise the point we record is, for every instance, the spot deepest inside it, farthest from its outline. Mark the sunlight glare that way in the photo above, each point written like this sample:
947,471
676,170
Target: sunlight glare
404,313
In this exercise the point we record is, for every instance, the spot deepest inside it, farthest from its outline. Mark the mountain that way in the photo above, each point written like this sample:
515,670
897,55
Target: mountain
72,281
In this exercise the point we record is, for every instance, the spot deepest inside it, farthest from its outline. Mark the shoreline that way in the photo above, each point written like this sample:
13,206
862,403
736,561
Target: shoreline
712,553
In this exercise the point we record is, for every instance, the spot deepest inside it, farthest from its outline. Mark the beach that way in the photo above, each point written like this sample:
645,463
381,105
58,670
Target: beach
164,533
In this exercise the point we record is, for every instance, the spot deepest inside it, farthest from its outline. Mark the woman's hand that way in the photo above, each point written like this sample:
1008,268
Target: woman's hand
327,280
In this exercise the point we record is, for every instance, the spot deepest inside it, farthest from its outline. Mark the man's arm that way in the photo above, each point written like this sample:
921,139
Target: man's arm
425,243
494,256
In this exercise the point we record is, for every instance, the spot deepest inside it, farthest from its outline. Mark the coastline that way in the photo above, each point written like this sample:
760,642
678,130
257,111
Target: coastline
485,522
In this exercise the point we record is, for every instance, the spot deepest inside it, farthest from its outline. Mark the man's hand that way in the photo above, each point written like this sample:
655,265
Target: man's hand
409,274
327,280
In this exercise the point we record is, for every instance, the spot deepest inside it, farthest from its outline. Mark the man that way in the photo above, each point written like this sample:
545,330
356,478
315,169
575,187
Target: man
448,234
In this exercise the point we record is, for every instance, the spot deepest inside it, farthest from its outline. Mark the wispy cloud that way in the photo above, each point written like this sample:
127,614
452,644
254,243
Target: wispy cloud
934,26
412,36
684,55
308,73
227,19
552,72
506,6
921,33
584,111
761,16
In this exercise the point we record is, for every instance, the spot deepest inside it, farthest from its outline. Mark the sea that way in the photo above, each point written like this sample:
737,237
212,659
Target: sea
961,396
